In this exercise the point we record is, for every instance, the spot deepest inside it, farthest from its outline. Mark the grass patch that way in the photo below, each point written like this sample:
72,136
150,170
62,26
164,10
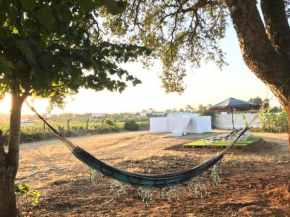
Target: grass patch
241,143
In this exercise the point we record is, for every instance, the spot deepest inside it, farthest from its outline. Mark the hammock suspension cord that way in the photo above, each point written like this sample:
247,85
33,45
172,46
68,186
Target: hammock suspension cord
58,135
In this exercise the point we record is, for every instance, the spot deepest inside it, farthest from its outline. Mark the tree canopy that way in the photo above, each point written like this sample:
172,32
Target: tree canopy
189,31
53,48
257,100
178,32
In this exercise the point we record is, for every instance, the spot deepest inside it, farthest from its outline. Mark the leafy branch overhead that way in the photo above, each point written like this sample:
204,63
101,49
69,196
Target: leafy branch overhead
177,32
53,48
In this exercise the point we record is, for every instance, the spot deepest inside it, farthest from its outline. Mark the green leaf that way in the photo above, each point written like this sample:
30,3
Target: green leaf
13,16
74,72
46,62
37,73
115,8
4,5
39,77
15,188
45,16
25,187
25,49
28,4
4,69
5,62
110,3
99,2
75,78
86,5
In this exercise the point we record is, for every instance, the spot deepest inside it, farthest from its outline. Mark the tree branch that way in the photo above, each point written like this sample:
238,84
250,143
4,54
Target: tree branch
277,25
198,5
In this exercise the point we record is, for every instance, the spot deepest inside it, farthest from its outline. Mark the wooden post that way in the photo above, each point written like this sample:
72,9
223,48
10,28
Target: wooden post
87,123
68,124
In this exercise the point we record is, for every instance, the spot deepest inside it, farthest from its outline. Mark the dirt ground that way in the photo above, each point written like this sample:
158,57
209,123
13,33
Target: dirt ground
253,179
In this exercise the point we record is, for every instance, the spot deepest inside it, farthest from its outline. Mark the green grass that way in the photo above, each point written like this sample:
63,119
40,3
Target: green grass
223,143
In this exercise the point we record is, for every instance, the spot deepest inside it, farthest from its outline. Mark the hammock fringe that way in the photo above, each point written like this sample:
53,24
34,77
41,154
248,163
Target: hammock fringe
197,185
117,187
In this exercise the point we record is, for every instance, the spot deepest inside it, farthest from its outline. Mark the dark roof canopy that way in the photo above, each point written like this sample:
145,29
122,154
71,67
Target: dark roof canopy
236,104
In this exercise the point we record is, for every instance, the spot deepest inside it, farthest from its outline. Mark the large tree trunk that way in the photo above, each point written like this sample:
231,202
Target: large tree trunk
9,161
266,53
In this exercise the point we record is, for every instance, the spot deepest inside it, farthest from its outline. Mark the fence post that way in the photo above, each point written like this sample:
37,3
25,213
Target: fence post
68,124
44,125
87,122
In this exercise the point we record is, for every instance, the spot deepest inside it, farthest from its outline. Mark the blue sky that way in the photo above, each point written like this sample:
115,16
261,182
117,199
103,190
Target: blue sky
205,85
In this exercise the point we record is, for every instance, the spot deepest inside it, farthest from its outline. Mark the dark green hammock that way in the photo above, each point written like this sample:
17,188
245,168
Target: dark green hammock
146,181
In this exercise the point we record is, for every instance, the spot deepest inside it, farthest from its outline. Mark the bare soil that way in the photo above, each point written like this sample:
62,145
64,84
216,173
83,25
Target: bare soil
253,179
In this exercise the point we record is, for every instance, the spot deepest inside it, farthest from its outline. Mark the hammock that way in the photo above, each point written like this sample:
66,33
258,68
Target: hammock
145,181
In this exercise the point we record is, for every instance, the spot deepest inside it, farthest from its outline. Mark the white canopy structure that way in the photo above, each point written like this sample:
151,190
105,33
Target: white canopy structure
181,124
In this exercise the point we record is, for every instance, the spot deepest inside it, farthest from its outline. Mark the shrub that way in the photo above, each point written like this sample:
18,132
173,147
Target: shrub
131,125
60,129
109,122
115,129
28,198
274,123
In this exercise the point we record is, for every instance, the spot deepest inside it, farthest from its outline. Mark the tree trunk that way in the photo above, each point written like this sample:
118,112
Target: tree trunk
264,51
288,114
9,161
7,196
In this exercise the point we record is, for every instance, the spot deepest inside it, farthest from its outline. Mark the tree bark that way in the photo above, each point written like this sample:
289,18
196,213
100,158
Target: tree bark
288,114
277,25
14,135
260,50
7,196
9,161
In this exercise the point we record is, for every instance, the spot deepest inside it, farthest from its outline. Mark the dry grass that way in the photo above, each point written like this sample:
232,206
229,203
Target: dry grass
253,178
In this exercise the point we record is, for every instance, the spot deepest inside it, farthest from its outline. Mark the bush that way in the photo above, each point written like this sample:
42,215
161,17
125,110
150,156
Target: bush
25,138
274,123
131,125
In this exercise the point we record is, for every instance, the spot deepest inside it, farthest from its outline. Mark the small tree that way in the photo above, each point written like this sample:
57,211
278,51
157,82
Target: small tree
131,125
257,100
201,108
51,48
275,109
109,122
151,110
189,108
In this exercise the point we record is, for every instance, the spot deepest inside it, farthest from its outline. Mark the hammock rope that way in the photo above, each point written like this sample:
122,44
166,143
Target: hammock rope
65,141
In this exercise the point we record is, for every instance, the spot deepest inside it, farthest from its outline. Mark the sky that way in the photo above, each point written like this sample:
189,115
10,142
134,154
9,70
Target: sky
205,85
